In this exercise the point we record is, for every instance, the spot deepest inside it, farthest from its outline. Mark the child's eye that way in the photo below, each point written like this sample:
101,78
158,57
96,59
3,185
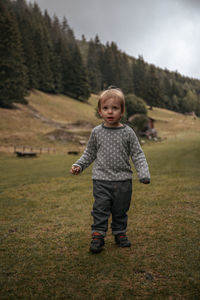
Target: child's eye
105,107
115,108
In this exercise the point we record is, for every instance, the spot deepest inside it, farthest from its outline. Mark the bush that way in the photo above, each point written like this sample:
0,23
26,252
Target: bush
139,123
135,105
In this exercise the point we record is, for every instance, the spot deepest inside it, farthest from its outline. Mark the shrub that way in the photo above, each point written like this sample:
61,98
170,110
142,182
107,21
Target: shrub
139,123
135,105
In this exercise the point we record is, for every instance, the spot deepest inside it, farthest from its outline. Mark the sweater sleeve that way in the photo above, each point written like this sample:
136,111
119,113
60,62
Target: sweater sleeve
138,157
89,155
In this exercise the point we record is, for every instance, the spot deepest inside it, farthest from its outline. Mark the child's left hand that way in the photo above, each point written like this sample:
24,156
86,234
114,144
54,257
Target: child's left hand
145,180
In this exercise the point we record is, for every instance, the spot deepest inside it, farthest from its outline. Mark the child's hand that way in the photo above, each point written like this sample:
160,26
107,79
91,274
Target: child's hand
75,170
145,180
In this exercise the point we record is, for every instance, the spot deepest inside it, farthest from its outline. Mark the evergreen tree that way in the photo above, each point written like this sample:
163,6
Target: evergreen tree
24,17
126,75
43,50
39,52
94,72
139,77
58,50
13,76
107,67
110,66
75,80
189,103
116,64
153,92
174,104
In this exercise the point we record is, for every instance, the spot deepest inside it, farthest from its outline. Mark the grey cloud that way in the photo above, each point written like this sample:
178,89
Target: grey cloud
166,33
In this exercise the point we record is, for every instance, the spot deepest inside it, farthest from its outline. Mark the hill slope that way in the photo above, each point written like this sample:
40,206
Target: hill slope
61,122
171,124
47,114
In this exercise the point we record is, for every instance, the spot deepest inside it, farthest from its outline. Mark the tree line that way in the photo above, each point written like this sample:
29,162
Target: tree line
40,52
107,65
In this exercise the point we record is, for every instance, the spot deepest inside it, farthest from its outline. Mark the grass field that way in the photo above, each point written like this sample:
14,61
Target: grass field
45,230
45,212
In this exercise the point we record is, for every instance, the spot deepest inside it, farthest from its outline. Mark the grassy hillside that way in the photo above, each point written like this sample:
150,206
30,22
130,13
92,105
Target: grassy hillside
29,125
171,124
60,122
61,108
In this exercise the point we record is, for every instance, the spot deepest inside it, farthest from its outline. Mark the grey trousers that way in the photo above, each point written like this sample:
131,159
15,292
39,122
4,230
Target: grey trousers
111,197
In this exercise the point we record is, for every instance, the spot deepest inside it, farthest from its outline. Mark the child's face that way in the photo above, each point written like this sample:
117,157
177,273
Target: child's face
111,112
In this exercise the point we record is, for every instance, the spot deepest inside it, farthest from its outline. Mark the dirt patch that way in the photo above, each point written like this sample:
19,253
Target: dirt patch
60,135
64,136
80,124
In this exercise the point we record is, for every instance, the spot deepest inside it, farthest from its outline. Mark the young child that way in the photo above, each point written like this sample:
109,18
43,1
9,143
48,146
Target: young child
110,146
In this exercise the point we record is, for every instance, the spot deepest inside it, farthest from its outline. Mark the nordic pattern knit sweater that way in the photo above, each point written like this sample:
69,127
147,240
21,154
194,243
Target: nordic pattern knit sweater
111,149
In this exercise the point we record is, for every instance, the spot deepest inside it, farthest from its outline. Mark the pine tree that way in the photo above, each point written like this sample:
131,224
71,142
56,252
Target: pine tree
24,17
57,63
75,80
139,77
126,75
94,72
43,50
189,103
79,84
13,76
108,68
153,92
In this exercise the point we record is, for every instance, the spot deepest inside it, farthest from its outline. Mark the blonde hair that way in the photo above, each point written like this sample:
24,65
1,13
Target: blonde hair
112,93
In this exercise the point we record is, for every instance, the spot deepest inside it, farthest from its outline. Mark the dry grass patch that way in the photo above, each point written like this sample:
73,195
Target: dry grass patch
171,124
29,125
61,108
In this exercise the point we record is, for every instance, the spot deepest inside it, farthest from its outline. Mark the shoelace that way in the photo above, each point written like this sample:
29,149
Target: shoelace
96,236
123,237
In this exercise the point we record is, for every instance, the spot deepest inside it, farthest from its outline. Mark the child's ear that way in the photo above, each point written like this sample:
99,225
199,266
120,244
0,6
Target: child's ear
122,111
99,111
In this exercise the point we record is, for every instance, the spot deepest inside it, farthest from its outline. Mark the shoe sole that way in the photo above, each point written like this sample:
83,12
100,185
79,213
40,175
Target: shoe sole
96,250
123,246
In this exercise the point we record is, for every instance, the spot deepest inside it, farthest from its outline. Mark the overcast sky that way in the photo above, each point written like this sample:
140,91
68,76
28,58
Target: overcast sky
165,32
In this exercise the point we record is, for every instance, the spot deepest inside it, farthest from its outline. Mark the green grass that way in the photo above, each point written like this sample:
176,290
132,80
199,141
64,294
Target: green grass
45,230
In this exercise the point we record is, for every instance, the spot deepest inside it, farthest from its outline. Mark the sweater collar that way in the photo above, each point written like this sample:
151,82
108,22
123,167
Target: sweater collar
113,128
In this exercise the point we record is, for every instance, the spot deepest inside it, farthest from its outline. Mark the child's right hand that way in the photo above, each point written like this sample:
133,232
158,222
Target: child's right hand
75,170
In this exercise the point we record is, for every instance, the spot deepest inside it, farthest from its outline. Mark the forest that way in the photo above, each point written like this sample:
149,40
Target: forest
41,52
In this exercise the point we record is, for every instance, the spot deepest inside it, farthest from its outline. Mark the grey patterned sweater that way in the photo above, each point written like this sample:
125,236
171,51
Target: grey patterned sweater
111,149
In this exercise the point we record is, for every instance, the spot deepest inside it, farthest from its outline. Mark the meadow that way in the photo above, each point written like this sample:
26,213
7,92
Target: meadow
45,230
45,219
